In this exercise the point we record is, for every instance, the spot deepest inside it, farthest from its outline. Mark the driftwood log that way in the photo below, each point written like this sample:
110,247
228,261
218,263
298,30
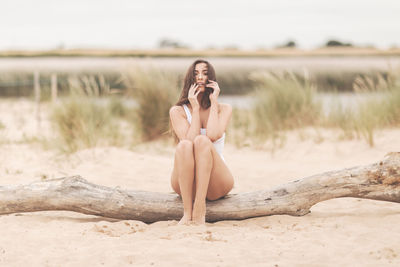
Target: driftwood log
378,181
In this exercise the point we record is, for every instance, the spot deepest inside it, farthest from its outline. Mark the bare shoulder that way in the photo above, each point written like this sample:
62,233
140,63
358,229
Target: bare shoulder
176,111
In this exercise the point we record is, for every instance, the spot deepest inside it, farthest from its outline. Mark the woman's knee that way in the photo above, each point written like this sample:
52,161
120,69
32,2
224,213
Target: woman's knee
201,141
184,147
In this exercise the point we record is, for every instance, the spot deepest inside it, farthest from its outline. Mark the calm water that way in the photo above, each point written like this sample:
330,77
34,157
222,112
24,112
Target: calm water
347,100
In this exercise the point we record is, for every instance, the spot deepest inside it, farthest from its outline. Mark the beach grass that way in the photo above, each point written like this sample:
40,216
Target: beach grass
392,105
382,111
91,113
83,120
117,107
283,102
155,92
240,130
340,117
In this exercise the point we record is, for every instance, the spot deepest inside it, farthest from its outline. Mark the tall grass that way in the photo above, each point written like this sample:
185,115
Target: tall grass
241,129
372,115
117,107
282,102
154,91
392,106
380,113
286,101
82,120
341,117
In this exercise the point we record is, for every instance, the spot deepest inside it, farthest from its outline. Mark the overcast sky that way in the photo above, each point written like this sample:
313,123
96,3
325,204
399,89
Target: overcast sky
247,24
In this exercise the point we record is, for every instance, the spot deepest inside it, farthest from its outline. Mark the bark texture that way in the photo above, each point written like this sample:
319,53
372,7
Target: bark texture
378,181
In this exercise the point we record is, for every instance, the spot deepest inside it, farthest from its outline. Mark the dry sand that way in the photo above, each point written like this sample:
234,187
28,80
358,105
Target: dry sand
339,232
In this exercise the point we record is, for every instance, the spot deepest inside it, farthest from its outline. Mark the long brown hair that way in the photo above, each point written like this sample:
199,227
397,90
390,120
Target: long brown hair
190,79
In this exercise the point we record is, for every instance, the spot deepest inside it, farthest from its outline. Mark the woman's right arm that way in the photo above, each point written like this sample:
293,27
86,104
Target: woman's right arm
180,125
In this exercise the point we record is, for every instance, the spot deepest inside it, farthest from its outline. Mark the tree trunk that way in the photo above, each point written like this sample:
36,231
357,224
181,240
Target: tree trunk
379,181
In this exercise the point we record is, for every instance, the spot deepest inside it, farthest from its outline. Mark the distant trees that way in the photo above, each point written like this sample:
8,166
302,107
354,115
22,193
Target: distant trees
335,43
288,44
170,43
173,44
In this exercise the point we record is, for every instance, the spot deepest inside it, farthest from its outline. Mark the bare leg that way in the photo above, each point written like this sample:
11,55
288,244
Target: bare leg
204,165
184,168
220,180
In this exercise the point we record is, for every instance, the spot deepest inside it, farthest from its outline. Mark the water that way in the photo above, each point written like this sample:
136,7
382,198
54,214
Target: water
327,100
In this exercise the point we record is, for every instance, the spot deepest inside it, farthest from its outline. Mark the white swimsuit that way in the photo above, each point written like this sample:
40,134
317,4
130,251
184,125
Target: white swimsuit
218,144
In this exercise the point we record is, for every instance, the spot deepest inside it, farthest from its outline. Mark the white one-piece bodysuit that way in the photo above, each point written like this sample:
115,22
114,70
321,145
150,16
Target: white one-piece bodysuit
218,144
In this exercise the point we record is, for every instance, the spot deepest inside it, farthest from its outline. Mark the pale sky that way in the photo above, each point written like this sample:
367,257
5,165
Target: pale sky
247,24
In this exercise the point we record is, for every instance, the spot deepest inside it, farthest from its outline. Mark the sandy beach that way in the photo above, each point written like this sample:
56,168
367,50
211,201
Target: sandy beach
338,232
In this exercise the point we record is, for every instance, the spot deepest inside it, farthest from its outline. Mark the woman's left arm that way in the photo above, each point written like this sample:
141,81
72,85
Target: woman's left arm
219,115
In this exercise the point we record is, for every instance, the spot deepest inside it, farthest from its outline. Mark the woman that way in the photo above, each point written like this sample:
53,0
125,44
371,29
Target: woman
199,122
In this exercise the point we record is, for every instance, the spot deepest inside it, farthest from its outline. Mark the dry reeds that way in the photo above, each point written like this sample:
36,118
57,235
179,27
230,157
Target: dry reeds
381,111
282,102
154,92
83,120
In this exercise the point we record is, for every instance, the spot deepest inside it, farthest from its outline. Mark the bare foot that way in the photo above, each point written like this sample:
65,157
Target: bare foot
186,219
199,213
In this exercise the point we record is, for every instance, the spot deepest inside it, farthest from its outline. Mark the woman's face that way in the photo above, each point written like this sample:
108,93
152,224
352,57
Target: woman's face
201,76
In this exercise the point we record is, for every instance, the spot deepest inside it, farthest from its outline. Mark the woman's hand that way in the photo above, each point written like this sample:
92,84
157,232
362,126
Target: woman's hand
215,94
192,96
